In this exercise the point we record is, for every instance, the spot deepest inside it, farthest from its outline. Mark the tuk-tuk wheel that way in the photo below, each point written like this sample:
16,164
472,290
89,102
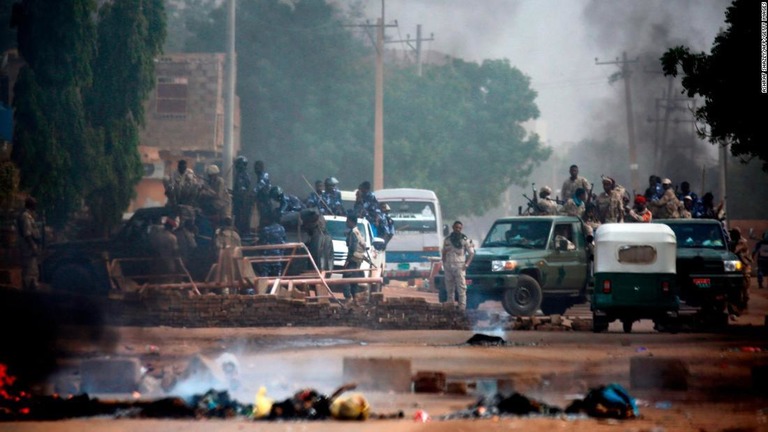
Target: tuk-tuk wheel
524,299
627,326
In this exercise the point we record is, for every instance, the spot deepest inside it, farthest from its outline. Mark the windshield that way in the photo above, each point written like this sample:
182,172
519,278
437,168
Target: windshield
709,236
338,229
413,216
526,234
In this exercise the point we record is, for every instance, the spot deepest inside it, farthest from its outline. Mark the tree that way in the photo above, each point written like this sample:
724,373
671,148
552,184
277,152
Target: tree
729,80
130,36
51,146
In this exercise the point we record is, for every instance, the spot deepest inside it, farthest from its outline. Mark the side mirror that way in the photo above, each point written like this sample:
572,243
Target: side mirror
445,230
378,243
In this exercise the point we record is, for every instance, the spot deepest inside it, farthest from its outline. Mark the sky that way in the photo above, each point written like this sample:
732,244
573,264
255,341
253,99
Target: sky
556,42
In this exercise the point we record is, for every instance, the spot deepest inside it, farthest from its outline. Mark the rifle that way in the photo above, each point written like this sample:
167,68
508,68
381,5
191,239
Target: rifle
319,198
589,194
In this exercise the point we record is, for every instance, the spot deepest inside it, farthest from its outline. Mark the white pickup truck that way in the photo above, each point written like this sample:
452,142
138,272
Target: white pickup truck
337,227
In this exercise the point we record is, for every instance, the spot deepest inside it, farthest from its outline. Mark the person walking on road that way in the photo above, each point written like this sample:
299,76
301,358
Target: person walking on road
457,254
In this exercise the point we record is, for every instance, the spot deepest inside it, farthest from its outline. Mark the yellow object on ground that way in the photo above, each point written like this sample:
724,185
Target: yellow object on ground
263,404
350,407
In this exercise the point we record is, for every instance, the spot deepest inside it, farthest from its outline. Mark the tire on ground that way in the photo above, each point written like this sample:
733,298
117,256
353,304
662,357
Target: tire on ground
524,299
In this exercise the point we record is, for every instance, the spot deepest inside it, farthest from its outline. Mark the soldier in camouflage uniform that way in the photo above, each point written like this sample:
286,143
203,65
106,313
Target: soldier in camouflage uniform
668,206
457,254
29,241
332,198
313,200
367,206
609,205
576,204
182,186
572,183
271,233
260,194
241,193
226,236
545,205
356,249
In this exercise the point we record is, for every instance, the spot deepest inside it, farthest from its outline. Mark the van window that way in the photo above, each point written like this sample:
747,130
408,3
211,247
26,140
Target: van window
415,216
637,254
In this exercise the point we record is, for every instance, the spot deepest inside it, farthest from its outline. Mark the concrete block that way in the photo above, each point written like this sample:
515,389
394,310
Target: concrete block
110,375
457,388
378,374
658,373
429,382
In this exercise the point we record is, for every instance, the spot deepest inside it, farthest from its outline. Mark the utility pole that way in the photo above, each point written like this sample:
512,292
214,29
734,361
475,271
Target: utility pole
229,107
416,48
669,104
625,74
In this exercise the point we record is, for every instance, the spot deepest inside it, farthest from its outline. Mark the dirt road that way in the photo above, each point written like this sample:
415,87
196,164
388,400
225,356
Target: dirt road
552,367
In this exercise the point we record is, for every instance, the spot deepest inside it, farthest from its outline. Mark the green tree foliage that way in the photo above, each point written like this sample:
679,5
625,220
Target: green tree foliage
50,148
78,102
729,81
130,36
306,88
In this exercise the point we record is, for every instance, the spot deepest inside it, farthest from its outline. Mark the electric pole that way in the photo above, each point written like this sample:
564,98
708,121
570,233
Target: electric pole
416,48
229,108
625,75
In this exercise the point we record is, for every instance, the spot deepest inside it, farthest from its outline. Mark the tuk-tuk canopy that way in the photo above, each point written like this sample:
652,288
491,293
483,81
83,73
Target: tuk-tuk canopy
635,248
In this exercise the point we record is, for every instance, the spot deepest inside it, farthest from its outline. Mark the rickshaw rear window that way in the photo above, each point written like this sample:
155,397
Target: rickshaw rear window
637,254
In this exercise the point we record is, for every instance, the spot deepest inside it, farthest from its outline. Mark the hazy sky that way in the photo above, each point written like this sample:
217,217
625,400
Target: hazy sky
555,43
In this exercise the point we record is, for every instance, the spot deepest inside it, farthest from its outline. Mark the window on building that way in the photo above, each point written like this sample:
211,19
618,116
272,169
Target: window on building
171,96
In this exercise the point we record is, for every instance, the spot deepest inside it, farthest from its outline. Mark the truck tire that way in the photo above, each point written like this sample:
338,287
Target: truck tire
524,299
74,278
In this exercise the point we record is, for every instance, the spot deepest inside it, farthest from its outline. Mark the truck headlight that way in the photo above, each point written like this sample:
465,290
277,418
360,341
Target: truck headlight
732,266
503,265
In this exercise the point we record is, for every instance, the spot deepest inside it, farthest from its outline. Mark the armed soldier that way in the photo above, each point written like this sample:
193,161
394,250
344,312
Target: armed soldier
367,206
668,206
214,196
572,183
332,198
386,225
610,208
260,193
182,186
314,198
271,233
356,249
241,193
576,204
545,204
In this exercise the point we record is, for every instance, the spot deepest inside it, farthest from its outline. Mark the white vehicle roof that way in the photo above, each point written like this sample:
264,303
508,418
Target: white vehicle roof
615,238
403,193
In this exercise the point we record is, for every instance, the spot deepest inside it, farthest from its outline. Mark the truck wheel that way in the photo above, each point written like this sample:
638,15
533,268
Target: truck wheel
524,299
73,278
599,323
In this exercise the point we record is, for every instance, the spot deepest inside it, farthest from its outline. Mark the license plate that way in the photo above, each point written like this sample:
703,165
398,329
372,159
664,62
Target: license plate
403,266
701,282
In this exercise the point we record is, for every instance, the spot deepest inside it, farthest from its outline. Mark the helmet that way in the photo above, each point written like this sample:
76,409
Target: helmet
275,192
241,161
331,181
212,169
545,190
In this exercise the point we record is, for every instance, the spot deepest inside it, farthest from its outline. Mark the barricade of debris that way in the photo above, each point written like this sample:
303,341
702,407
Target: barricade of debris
483,319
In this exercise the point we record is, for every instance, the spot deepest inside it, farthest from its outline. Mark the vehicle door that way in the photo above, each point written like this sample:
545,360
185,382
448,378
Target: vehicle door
567,260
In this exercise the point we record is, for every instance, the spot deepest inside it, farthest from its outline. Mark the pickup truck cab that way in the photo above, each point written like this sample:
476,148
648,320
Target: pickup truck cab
337,228
708,273
530,263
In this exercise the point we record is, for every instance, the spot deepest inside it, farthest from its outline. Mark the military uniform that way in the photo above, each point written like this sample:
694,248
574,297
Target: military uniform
30,245
570,186
609,207
356,249
740,248
241,200
333,204
182,188
546,206
456,250
272,234
368,207
570,208
667,207
386,228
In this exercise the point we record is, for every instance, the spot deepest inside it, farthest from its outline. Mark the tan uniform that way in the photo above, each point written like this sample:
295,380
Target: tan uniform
454,266
667,207
609,207
166,249
571,209
226,238
546,206
29,241
570,186
182,189
741,249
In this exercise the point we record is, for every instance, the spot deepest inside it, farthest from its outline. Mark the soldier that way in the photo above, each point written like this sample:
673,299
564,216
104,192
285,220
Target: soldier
668,206
271,233
182,186
576,204
313,200
639,213
738,245
241,193
386,225
367,206
332,198
356,249
591,219
654,191
545,204
285,203
30,243
260,193
760,254
709,210
574,182
165,247
687,211
609,205
457,254
226,236
214,197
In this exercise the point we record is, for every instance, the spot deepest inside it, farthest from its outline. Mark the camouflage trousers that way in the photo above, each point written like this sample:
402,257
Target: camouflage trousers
456,285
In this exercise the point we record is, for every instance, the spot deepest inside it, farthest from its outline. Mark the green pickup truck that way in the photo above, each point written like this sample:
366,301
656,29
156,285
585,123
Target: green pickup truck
529,263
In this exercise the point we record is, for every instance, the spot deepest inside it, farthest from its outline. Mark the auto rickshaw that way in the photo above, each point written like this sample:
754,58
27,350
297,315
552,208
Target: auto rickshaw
634,272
